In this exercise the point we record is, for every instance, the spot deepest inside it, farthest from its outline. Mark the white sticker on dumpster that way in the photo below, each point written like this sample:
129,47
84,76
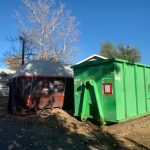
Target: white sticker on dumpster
107,88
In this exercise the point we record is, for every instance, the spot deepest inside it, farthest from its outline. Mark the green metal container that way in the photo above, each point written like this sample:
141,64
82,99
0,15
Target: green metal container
112,90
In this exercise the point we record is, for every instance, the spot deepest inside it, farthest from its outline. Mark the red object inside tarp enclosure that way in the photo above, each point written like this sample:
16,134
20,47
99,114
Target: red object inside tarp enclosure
35,92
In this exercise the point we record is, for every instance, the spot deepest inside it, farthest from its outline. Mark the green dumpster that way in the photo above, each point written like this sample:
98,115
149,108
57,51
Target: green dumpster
111,90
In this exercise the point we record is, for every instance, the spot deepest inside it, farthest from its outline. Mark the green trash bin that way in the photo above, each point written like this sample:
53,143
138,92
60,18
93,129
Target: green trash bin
111,90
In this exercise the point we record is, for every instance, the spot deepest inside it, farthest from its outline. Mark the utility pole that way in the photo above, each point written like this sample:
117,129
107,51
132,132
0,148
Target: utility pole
23,48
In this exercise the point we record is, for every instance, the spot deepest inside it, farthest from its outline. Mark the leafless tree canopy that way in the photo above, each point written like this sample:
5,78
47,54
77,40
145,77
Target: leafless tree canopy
13,56
49,31
50,28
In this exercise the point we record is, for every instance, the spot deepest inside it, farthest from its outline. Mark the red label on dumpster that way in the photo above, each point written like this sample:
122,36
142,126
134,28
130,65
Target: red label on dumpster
107,88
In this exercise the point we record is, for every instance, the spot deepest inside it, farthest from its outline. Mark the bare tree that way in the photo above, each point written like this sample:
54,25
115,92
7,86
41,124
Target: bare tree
13,56
12,59
50,28
49,32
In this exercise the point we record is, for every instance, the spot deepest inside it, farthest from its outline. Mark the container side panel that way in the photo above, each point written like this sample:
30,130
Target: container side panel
108,99
79,78
120,91
147,78
82,93
130,91
141,103
95,74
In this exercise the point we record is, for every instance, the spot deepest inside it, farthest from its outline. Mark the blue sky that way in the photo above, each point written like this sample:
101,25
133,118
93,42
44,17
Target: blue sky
119,21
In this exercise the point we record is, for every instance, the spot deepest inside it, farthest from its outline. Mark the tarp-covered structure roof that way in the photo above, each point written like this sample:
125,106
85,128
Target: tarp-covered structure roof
44,68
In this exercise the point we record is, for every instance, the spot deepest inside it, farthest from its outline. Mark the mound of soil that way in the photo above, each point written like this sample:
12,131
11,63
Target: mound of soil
56,119
132,134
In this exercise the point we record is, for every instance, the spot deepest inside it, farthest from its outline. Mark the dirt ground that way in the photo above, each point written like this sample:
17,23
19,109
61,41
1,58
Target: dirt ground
133,134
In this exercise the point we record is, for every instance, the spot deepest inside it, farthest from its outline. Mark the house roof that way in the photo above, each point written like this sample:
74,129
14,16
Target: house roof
44,68
7,71
91,58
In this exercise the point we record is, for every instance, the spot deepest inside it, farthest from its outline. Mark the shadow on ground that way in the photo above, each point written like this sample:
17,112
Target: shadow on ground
140,146
56,130
53,131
